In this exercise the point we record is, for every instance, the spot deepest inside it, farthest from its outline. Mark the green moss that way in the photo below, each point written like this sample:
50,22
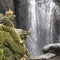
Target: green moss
7,40
7,19
10,47
11,31
6,22
1,54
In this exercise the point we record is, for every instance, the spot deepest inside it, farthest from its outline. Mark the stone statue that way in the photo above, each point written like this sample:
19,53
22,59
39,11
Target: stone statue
11,39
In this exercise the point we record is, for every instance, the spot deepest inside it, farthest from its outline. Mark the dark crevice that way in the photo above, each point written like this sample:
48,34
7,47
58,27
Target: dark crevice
20,8
16,7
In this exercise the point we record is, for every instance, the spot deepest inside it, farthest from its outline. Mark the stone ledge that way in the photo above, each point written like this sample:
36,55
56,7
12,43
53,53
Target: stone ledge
43,56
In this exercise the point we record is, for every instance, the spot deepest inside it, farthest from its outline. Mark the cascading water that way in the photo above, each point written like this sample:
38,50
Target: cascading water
40,14
45,20
32,18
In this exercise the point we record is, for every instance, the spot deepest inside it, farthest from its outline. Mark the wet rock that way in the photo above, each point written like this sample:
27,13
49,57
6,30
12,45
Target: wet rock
56,58
43,56
52,48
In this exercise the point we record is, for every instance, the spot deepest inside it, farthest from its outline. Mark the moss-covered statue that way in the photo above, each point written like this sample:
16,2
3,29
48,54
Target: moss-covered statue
11,39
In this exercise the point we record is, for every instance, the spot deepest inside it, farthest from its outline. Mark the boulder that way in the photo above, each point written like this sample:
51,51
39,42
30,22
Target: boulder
52,48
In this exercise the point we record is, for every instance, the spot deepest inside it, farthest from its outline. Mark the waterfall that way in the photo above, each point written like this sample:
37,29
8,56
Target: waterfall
32,18
41,18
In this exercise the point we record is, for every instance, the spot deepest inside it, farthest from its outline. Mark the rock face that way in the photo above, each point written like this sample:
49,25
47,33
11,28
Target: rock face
5,5
20,9
21,13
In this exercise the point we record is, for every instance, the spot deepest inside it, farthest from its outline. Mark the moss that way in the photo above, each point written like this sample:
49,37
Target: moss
10,14
7,22
11,31
1,54
8,38
10,47
7,19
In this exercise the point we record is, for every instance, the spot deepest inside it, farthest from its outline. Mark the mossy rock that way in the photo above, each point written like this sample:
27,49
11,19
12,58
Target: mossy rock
7,19
10,46
10,40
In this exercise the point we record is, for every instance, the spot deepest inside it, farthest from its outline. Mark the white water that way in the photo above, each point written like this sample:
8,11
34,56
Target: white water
49,21
40,14
32,18
44,16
